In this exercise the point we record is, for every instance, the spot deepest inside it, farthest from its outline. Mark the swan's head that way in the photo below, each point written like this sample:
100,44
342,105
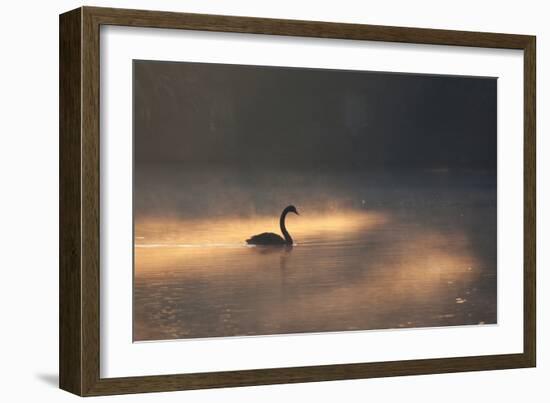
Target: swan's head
292,209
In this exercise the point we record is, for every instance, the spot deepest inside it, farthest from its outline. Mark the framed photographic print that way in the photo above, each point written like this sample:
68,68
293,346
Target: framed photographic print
251,201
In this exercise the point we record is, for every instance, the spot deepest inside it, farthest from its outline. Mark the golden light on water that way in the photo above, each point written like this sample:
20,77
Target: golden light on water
235,230
419,273
348,270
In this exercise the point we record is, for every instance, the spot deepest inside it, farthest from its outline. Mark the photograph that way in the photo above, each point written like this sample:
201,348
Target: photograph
273,200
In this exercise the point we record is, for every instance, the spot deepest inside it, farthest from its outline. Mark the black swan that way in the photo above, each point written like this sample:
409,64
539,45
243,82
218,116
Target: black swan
269,238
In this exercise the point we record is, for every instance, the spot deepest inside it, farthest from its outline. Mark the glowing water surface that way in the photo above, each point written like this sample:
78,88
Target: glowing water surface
391,266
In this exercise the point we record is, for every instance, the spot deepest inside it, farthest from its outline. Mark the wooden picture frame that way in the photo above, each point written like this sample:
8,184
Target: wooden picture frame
79,348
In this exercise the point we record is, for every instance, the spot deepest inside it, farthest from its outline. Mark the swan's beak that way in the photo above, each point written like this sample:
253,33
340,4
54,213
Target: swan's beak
297,212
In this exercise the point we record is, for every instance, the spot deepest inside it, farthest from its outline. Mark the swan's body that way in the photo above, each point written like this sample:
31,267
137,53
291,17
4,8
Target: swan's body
269,238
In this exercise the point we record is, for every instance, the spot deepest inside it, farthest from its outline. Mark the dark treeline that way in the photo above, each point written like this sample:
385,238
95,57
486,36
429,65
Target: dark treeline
251,118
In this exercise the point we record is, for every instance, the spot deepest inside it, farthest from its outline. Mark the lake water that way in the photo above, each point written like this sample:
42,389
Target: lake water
371,253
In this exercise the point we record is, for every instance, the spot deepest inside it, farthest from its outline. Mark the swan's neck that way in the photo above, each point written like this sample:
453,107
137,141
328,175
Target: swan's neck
287,236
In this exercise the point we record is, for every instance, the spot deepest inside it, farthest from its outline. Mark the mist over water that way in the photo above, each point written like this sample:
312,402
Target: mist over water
373,250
